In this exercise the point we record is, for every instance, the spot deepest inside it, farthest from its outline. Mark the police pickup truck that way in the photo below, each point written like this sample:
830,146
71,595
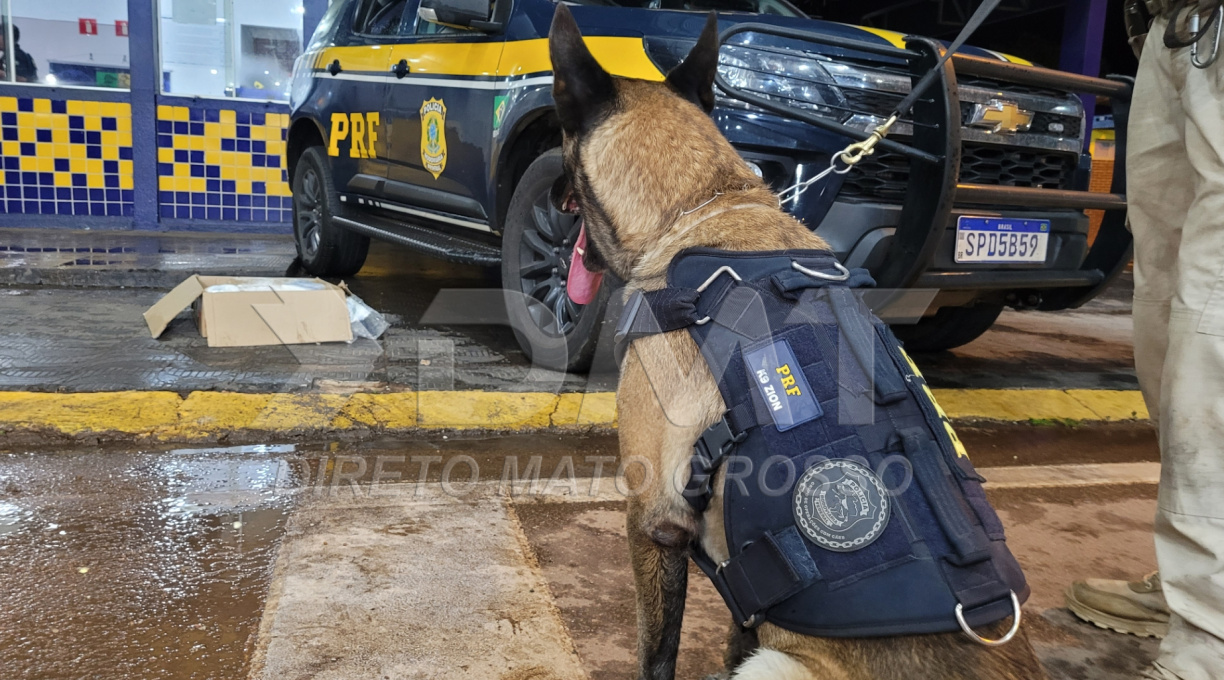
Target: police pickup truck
430,123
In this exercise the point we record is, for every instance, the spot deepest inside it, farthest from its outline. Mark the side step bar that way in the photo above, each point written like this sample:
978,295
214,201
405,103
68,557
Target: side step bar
428,241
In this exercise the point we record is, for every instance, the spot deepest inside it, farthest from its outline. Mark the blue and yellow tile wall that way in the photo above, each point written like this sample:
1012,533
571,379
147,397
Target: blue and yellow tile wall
65,157
222,164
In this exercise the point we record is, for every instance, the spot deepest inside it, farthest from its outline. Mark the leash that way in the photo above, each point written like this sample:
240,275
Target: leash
853,153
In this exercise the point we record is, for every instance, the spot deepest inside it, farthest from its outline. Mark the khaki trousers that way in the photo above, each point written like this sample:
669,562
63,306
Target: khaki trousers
1175,182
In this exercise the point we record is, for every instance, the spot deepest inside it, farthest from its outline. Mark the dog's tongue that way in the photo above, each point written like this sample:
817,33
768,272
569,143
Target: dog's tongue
582,284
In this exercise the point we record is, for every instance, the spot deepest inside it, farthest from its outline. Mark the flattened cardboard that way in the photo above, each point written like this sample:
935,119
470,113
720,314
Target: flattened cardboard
260,316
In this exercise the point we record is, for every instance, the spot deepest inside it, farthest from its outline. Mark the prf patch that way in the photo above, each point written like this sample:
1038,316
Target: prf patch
782,385
361,129
943,417
433,136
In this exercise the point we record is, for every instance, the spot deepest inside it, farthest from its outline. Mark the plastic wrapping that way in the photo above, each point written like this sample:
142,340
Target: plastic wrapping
365,321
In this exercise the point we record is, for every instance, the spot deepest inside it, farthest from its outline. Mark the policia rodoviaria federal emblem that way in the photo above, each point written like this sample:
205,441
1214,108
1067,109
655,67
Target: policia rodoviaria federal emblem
433,136
841,506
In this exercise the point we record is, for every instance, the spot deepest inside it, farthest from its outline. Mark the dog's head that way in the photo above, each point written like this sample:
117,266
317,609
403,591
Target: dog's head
637,153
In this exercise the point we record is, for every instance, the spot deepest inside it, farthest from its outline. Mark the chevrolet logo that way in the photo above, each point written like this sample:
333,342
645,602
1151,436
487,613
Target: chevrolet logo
997,115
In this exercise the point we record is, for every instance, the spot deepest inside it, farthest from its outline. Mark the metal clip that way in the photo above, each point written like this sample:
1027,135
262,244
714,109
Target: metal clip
1218,18
856,152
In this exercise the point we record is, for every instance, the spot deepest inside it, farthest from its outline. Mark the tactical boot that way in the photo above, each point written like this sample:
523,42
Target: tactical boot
1137,608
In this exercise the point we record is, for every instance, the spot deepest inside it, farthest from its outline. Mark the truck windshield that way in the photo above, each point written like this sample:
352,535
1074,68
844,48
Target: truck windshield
776,7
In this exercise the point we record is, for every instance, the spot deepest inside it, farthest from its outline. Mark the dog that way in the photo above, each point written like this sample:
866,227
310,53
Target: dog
651,175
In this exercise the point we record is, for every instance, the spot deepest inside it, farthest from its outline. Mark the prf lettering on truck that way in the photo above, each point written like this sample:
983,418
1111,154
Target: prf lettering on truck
361,129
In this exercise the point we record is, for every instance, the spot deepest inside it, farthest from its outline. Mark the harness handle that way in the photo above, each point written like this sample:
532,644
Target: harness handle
725,269
842,274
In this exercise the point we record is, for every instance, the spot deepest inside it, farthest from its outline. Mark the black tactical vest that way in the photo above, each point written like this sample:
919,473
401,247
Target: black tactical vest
851,509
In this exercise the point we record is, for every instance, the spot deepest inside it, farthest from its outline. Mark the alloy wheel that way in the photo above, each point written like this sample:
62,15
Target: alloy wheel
310,212
544,261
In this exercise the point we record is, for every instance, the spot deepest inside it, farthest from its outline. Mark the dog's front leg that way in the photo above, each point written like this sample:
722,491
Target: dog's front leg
660,568
741,643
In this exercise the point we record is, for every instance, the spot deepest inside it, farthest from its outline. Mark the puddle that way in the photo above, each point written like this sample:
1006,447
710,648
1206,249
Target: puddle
137,565
11,517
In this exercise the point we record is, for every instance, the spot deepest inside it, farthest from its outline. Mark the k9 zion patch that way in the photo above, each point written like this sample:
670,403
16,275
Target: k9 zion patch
841,506
782,385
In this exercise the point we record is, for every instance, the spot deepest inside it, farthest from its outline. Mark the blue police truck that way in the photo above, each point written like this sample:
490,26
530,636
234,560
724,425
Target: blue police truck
429,123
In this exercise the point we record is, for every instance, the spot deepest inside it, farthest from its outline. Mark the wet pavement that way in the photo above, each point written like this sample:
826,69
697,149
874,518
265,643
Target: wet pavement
159,563
133,564
87,334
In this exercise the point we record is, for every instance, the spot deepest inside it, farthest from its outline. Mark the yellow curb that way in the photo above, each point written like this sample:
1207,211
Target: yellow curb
1013,405
305,411
568,408
598,408
82,413
485,410
392,411
206,415
1113,404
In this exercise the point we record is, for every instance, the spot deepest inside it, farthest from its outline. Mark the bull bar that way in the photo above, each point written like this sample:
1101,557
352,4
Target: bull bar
934,154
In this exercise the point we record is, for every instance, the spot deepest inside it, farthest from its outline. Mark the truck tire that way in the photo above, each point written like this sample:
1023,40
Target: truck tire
323,248
537,244
947,328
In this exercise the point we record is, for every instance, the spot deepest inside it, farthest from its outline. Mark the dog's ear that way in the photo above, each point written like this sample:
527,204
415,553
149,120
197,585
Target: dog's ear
582,90
693,79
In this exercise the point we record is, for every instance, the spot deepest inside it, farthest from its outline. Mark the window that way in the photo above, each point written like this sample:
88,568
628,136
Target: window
230,48
379,17
68,42
423,27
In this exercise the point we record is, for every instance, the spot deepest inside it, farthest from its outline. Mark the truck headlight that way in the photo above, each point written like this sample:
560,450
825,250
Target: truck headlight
783,77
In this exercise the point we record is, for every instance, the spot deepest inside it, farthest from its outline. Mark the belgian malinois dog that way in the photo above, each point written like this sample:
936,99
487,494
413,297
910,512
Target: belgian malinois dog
651,175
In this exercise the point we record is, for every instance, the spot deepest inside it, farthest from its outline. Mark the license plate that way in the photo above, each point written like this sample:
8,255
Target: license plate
998,239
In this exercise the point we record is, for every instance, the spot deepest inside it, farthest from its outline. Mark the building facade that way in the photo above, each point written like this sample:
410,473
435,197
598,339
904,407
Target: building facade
148,114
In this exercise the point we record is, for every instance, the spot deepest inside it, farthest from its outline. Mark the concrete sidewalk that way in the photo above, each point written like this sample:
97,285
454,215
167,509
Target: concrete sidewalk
407,587
361,590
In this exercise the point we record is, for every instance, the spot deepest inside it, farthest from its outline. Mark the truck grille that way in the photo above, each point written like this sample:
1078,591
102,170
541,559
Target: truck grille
883,176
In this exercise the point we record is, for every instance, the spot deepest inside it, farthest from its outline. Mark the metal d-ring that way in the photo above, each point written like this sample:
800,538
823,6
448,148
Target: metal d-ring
842,276
725,269
960,618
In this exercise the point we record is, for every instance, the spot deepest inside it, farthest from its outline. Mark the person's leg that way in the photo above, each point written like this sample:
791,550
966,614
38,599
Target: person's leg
1160,189
1159,186
1190,514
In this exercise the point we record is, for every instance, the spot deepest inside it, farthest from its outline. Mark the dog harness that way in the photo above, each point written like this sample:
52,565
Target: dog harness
850,507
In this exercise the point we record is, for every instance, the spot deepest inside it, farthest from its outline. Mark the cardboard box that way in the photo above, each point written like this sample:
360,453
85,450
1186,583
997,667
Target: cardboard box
235,311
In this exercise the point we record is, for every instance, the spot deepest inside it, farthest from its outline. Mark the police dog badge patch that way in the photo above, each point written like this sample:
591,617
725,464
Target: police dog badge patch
433,136
841,506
